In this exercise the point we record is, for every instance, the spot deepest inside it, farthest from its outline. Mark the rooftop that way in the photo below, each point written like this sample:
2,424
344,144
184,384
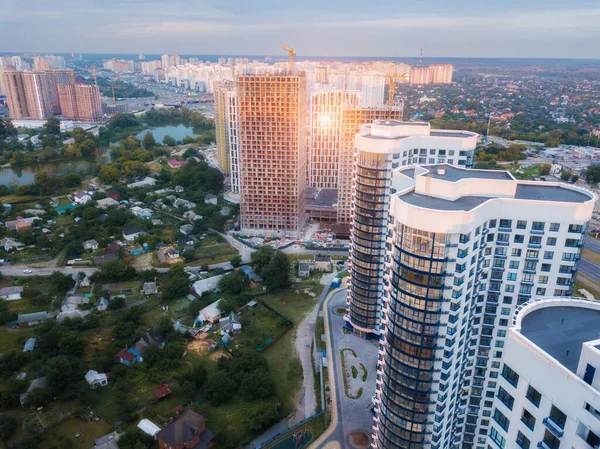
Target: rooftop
457,135
429,202
561,331
454,174
547,192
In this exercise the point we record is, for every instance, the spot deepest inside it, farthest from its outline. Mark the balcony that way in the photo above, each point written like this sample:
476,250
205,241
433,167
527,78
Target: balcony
502,243
528,271
534,245
556,430
537,231
504,229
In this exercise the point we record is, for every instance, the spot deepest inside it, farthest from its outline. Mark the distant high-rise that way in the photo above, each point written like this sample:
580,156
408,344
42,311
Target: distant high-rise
226,124
12,84
272,146
434,74
119,65
38,94
169,61
80,102
325,135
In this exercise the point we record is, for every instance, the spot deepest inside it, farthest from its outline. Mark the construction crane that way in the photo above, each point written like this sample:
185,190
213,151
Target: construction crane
112,86
292,54
95,77
391,79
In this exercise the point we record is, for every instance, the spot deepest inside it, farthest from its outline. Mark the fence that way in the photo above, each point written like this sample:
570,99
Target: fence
289,430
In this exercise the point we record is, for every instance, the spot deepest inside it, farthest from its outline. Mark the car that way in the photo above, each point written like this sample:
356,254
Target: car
27,271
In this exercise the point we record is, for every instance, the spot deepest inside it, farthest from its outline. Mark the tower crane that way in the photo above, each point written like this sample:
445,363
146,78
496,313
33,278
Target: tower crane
292,54
391,79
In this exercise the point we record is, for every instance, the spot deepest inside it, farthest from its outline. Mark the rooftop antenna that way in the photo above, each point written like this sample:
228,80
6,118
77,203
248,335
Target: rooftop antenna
421,57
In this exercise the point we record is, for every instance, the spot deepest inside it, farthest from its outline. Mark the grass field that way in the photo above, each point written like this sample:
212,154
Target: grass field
591,255
87,431
579,285
13,338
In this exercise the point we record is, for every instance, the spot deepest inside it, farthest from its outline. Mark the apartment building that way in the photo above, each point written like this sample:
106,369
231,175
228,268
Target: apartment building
441,256
548,391
326,111
226,125
272,152
80,102
12,85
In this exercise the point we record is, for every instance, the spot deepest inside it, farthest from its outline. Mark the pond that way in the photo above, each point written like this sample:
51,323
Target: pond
18,176
178,132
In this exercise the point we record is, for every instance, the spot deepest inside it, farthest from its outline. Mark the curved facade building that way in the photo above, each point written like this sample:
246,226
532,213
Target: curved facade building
381,149
463,249
549,387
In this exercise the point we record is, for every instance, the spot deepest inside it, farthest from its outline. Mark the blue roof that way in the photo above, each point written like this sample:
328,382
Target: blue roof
29,345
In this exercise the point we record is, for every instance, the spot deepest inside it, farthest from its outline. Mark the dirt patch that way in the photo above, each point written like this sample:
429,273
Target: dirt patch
201,345
360,440
218,355
143,261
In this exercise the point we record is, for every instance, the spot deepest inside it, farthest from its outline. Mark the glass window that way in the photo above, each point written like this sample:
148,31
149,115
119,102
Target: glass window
551,241
514,264
534,396
511,376
505,223
555,227
540,291
548,255
511,277
535,240
528,419
522,441
509,288
538,226
550,440
520,238
492,224
515,252
521,224
506,398
558,417
546,267
501,419
543,279
497,438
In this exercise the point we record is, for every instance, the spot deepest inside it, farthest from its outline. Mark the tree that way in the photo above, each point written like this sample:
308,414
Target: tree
169,141
177,283
87,147
70,180
234,283
544,169
61,282
8,425
574,178
46,183
39,397
123,120
264,417
149,141
261,258
220,387
136,439
61,372
135,168
565,175
236,261
592,174
109,174
257,385
277,273
71,344
52,126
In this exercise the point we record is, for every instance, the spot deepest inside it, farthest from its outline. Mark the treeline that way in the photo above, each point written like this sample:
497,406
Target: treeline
121,89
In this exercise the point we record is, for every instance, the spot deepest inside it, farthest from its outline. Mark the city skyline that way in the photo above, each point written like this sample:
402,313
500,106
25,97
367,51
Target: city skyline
535,29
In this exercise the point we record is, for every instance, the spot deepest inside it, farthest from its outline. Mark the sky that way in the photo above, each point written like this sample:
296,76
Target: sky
382,28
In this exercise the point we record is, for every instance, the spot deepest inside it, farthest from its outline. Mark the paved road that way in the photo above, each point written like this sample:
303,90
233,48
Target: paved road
586,267
592,243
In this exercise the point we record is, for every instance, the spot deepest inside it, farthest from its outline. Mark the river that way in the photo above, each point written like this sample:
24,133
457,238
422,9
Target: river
17,176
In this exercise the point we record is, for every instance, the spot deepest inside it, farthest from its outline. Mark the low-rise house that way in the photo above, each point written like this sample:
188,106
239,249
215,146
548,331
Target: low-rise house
207,285
248,271
209,198
10,245
142,212
109,441
40,382
105,203
96,379
156,222
21,223
210,313
32,319
174,163
146,182
322,262
180,203
190,215
187,240
102,304
29,345
107,257
81,197
187,431
225,211
130,233
151,338
303,269
113,248
168,254
162,391
114,194
230,324
11,293
149,288
90,245
128,357
186,229
72,314
149,428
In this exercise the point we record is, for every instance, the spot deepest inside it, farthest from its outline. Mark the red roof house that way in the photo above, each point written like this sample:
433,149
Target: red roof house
162,391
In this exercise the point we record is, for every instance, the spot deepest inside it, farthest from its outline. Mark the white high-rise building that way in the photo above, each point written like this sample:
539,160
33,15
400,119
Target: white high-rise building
441,257
548,391
226,124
